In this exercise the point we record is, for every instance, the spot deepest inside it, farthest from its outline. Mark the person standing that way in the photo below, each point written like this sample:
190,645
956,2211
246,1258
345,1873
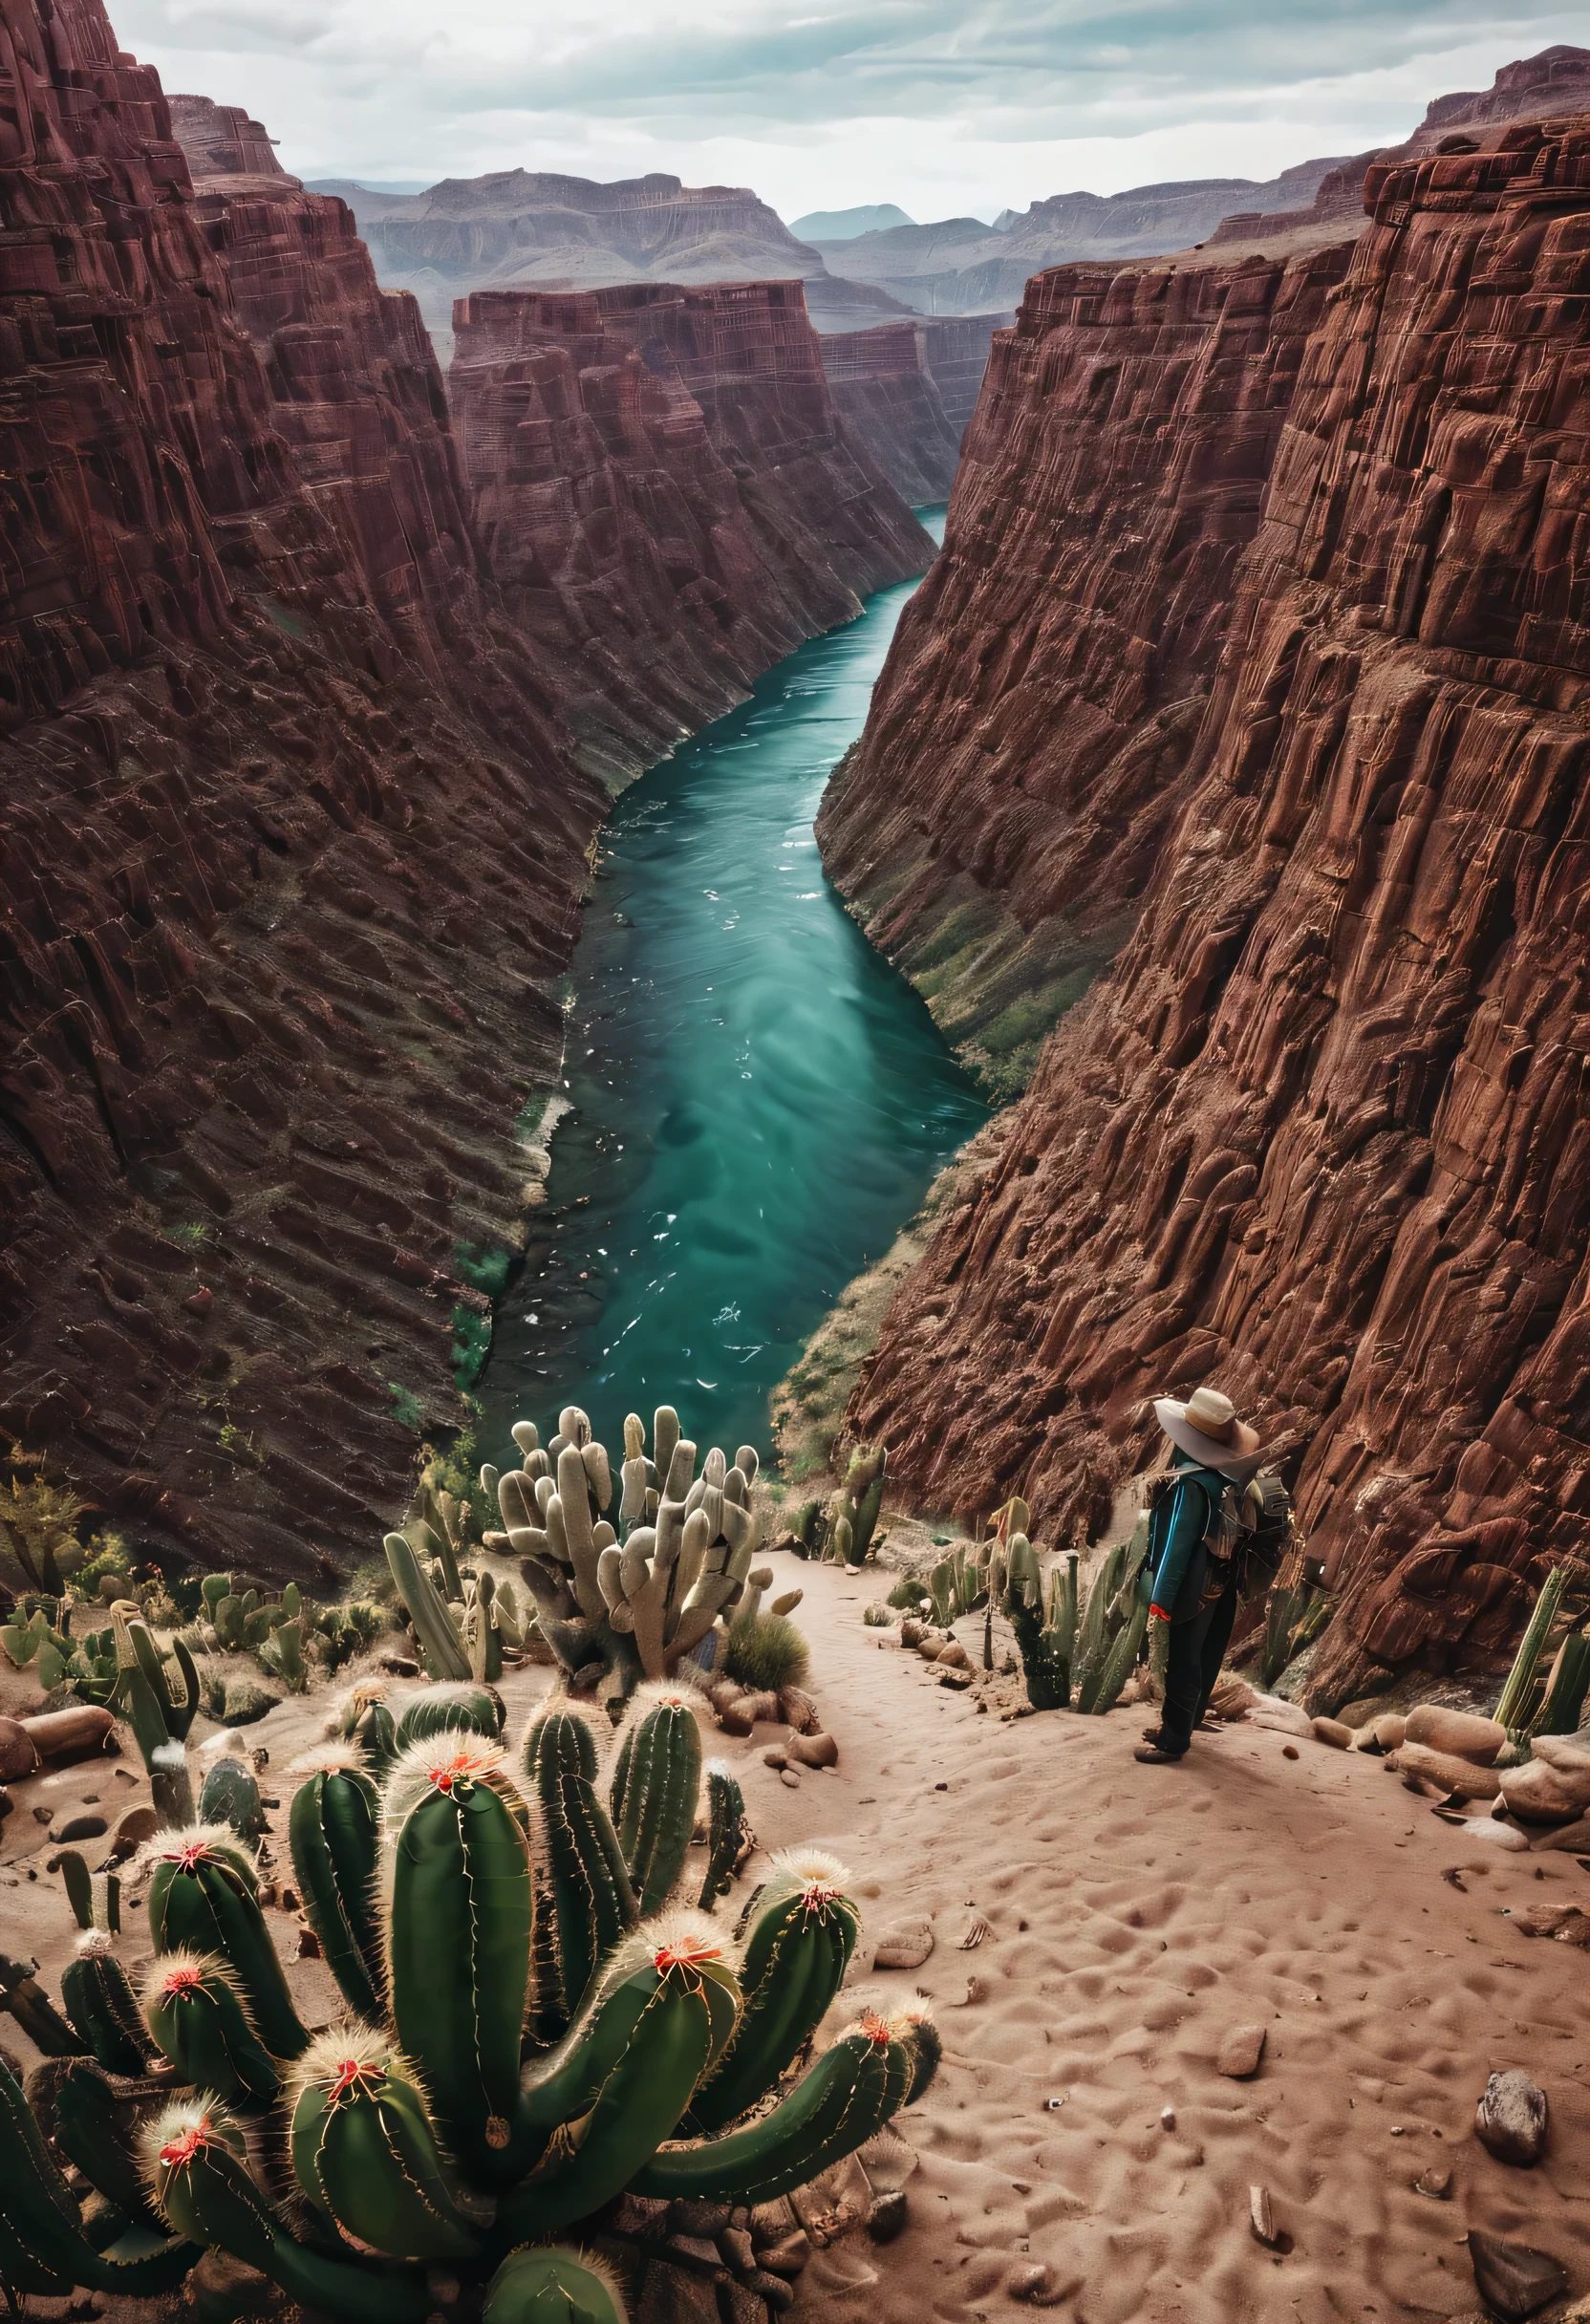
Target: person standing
1193,1591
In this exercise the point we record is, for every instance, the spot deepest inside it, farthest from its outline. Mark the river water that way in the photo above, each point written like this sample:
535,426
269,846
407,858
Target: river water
759,1101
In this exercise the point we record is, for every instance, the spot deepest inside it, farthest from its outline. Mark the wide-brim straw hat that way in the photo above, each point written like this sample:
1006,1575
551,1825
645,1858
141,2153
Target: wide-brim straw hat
1207,1427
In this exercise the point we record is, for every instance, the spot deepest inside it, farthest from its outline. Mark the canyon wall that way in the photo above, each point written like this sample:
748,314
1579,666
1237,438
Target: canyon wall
907,391
996,825
666,496
276,780
1322,1133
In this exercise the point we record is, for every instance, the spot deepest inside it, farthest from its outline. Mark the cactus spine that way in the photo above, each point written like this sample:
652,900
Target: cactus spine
198,2016
802,1933
363,2147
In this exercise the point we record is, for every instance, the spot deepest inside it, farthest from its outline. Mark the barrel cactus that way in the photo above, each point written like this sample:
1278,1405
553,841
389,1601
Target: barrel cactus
534,2026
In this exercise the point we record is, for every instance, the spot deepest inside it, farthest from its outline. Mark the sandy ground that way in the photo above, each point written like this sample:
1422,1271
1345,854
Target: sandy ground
1135,1915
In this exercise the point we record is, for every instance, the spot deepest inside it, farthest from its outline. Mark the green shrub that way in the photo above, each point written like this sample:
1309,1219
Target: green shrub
471,1342
766,1650
483,1267
407,1411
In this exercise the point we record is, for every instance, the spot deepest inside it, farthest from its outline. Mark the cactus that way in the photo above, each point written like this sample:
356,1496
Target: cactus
621,1609
436,1632
669,2046
159,1719
1044,1645
655,1785
365,1722
203,1898
728,1834
1515,1700
101,2007
232,1796
334,1831
588,1903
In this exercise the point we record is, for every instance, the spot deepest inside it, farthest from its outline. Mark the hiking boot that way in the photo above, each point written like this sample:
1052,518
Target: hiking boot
1151,1753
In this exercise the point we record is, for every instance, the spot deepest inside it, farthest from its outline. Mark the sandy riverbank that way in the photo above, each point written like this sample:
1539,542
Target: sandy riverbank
1136,1915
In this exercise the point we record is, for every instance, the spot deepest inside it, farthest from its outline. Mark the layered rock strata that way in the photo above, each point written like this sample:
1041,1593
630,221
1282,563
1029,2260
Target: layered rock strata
667,497
907,391
888,401
1320,1135
531,229
996,825
276,907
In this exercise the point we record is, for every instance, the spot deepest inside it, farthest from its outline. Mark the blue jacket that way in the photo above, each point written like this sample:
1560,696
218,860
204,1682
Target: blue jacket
1177,1562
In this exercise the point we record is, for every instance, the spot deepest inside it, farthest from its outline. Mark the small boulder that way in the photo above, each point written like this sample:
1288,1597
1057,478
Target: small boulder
1333,1733
811,1749
1510,2119
1444,1769
138,1824
1458,1733
1240,2049
1514,2281
79,1827
905,1944
1539,1793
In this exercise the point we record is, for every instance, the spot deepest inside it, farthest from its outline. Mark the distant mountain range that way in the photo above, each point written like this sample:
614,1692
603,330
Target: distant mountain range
843,225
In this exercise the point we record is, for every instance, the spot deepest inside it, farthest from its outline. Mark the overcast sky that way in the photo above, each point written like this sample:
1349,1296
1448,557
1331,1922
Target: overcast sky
944,108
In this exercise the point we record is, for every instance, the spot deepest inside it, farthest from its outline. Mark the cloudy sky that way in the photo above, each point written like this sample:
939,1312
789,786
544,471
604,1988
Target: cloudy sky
944,108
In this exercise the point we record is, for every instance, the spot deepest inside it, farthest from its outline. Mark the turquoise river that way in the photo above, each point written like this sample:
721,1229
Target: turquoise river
758,1100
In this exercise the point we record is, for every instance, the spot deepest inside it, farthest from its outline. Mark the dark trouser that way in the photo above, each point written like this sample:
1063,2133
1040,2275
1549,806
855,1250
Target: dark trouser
1197,1649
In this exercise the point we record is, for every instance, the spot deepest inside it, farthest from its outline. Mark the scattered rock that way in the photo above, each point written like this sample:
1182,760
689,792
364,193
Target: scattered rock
886,2216
400,1666
956,1655
1262,2216
1539,1793
1239,2052
1333,1733
79,1731
17,1755
905,1944
1451,1773
1511,2118
1032,2283
813,1749
797,1710
43,1814
1167,2117
735,1720
788,1775
80,1827
957,1680
1459,1734
1514,2281
911,1633
1436,2183
1289,1750
930,1648
308,1944
774,1758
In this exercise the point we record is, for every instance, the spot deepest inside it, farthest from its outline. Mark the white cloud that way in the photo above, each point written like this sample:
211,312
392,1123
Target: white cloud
940,106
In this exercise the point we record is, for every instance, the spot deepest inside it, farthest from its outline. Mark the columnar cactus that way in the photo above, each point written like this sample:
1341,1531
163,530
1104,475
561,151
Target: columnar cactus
636,1598
439,2129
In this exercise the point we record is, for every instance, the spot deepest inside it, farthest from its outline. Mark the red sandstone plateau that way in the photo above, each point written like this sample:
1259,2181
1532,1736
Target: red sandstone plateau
1320,1134
291,832
666,495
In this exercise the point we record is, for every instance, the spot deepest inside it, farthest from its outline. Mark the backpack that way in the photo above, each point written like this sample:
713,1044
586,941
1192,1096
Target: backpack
1263,1539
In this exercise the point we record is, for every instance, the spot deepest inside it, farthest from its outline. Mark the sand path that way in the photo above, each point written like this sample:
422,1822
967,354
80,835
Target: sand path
1136,1916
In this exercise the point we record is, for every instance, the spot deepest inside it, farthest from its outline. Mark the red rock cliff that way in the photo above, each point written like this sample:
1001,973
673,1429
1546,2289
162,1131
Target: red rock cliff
269,998
889,401
1322,1135
666,496
996,825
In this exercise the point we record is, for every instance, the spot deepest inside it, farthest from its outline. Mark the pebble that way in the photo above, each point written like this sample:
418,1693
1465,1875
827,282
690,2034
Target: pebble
886,2216
43,1814
1167,2117
1436,2183
1289,1750
904,1945
1033,2285
1513,2279
788,1775
1240,2049
1511,2118
775,1758
1262,2215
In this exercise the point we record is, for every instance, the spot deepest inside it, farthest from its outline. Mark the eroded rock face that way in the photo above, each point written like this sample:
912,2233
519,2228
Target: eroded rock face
996,826
271,987
1320,1135
889,401
666,497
